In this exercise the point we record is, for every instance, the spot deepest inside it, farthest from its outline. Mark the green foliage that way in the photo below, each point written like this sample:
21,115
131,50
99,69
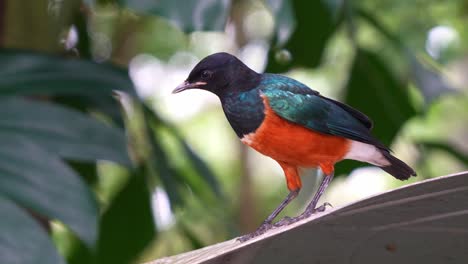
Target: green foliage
195,15
62,131
24,73
127,225
203,183
316,21
22,240
370,77
432,84
27,173
48,137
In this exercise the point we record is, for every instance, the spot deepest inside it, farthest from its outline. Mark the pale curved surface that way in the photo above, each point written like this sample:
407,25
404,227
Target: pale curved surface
426,222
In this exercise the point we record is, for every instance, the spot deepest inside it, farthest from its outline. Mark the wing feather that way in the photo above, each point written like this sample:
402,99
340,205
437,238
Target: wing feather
299,104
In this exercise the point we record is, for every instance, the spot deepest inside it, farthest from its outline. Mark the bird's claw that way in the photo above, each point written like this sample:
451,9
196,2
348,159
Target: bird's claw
290,220
260,231
323,207
308,212
283,222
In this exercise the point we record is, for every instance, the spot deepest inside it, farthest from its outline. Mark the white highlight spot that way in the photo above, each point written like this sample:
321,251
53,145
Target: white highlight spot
162,212
440,38
71,39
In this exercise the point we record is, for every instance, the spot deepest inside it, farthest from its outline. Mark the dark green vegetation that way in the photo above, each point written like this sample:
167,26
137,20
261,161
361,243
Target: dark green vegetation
79,160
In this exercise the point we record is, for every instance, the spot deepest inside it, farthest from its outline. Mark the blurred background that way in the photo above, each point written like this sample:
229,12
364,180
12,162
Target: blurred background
89,122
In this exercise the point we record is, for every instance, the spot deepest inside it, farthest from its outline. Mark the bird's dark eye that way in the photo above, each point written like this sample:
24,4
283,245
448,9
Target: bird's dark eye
206,74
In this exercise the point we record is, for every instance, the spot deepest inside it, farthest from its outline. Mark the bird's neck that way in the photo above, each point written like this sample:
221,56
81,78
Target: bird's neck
244,110
241,79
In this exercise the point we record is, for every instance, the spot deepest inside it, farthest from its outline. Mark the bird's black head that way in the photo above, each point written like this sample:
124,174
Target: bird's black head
220,73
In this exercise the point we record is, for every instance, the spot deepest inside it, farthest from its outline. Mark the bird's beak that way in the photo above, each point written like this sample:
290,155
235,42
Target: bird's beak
186,85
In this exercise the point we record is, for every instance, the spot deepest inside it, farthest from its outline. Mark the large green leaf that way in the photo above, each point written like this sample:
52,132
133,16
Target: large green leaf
36,179
197,176
146,148
151,152
375,91
429,80
62,131
158,162
316,22
22,240
201,168
127,226
189,15
23,72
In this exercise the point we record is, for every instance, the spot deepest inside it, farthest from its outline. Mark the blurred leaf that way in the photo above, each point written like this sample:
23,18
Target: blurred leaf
36,25
78,253
159,161
145,147
447,148
87,170
36,179
89,2
23,72
200,179
372,20
195,242
201,168
285,21
429,80
22,240
62,131
374,90
106,105
80,21
127,226
81,84
316,22
189,15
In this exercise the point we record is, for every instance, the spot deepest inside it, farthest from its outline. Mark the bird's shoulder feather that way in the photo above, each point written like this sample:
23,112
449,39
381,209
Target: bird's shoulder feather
299,104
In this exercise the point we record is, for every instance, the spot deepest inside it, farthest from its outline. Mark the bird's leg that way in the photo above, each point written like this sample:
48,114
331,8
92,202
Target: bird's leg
267,224
311,208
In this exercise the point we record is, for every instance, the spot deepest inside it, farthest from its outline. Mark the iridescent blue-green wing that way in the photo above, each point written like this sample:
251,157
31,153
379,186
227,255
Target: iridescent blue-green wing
304,109
318,113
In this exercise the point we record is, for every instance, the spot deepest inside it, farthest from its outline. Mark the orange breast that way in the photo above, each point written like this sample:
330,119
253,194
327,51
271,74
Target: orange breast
287,142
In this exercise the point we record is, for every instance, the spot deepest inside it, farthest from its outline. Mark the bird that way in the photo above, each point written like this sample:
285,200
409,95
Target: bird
293,124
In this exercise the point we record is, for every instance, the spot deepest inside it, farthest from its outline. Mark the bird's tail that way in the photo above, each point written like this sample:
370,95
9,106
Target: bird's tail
397,168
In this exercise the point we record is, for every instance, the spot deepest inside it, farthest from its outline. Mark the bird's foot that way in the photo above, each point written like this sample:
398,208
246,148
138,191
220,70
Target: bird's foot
310,211
260,231
285,221
307,213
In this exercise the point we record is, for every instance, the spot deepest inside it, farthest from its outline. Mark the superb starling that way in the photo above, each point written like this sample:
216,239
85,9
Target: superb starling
291,123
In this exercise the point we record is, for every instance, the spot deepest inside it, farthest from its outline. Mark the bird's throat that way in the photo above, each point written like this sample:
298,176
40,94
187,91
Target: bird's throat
244,111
